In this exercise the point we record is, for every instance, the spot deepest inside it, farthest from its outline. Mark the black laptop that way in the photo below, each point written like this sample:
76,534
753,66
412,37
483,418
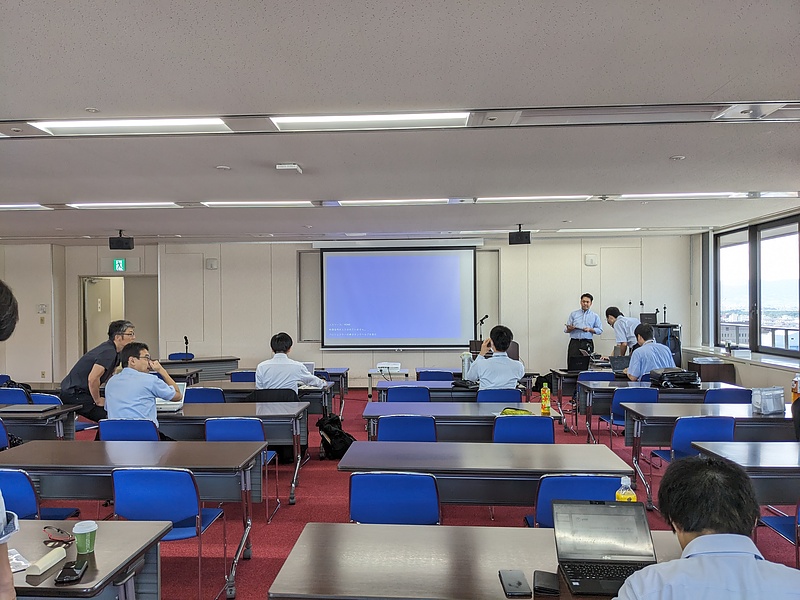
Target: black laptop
619,364
599,544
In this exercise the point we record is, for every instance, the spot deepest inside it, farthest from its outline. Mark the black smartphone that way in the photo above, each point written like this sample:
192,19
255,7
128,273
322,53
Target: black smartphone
514,584
546,583
72,571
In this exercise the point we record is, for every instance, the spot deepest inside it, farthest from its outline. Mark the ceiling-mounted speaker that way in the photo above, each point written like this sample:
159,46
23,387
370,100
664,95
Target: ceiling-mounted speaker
519,237
120,243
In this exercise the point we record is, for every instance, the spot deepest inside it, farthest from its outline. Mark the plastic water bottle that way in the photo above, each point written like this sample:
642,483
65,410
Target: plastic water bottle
625,493
466,363
796,387
545,393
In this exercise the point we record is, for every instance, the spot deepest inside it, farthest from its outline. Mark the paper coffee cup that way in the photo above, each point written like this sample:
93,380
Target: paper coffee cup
85,533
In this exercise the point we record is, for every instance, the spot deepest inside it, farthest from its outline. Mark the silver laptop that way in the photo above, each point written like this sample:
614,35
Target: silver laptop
163,405
599,544
309,366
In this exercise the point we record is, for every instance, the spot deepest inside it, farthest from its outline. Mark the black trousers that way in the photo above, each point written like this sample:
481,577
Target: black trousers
576,345
88,408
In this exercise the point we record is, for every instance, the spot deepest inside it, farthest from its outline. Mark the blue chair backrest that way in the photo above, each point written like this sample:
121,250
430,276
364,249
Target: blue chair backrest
406,428
728,396
645,378
700,429
45,399
394,498
524,429
631,395
432,375
235,429
247,376
152,494
198,395
571,487
596,376
509,396
3,436
13,396
322,374
4,378
19,493
128,430
180,356
408,393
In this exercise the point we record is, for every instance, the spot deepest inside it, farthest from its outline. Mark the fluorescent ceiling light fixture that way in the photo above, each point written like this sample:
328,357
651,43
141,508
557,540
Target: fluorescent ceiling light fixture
779,194
123,205
534,199
353,122
132,126
682,196
488,232
23,207
258,203
394,202
611,230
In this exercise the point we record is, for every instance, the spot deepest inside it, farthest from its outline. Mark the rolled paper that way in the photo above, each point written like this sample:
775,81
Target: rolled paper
47,561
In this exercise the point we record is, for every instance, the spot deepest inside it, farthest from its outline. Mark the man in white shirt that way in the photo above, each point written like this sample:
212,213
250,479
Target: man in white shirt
500,372
624,328
712,508
280,371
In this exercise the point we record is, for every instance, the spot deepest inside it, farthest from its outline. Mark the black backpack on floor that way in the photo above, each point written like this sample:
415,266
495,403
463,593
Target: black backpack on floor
335,441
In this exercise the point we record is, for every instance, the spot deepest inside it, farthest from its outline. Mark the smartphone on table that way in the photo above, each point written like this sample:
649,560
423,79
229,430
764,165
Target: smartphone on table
72,571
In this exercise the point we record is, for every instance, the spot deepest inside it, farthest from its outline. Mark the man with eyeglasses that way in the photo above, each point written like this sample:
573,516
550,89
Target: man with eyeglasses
82,384
132,393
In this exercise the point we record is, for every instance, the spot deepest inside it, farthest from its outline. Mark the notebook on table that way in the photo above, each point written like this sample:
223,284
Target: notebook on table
599,544
28,408
163,405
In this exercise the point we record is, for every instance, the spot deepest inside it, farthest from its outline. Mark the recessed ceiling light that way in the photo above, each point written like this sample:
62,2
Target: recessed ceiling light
289,167
354,122
223,167
581,198
123,205
257,203
23,207
16,130
677,157
91,109
394,202
132,126
355,235
308,226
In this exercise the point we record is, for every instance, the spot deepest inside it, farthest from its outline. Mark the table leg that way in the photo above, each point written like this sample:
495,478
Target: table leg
372,429
369,387
636,450
244,549
297,458
590,439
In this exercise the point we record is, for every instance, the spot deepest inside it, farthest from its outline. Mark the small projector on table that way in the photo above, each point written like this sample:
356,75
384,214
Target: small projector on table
388,367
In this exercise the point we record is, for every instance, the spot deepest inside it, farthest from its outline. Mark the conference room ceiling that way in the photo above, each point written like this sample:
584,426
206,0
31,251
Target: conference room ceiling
248,58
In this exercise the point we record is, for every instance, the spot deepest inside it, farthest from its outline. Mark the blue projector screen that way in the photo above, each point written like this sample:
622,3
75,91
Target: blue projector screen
398,298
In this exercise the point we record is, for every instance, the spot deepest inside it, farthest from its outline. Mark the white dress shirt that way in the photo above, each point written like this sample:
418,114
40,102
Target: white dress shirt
714,567
497,373
281,372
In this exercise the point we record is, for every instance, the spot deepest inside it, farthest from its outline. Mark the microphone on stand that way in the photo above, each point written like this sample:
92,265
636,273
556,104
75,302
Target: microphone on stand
186,343
483,319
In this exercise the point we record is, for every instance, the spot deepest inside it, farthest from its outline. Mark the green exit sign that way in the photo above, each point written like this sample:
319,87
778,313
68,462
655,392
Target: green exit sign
119,264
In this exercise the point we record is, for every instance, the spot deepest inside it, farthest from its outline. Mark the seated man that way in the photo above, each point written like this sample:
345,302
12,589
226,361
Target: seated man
280,371
132,393
649,355
711,506
500,372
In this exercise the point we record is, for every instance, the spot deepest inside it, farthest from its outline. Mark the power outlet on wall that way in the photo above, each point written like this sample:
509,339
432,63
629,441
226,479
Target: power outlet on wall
43,375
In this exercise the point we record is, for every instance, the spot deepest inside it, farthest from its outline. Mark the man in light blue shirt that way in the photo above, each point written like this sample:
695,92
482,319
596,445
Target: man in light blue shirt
132,393
581,325
649,355
624,327
499,372
280,371
711,506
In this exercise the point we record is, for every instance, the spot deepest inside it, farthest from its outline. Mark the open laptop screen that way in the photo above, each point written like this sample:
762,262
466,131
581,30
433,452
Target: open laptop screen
181,386
616,531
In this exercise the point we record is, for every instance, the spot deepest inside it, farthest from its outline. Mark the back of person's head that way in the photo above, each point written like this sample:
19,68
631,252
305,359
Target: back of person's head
587,295
9,312
116,328
613,311
281,342
644,330
132,350
701,494
501,337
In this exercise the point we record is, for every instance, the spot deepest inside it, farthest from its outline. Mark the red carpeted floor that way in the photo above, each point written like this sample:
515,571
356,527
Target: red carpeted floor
322,497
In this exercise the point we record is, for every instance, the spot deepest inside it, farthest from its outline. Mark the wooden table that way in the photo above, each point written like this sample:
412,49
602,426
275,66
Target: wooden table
82,470
484,473
345,561
121,548
57,422
319,399
285,424
649,424
212,367
774,467
455,421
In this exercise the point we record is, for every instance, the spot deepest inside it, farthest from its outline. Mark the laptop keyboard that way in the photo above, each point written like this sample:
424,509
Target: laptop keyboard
605,571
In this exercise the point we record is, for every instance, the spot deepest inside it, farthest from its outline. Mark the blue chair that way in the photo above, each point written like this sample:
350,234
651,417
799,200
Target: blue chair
406,428
322,374
180,356
128,430
509,396
246,429
154,494
394,498
21,498
203,395
569,487
728,396
45,399
13,396
408,393
433,375
4,378
645,378
786,526
694,429
246,376
596,376
4,443
523,429
617,415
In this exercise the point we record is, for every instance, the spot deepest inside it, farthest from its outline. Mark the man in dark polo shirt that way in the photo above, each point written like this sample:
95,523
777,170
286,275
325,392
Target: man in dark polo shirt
82,384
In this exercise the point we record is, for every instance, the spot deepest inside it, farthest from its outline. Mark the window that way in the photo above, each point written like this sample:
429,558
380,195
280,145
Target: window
779,289
733,255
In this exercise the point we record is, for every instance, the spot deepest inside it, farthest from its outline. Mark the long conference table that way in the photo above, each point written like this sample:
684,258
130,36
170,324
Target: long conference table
320,399
455,421
211,367
484,473
63,471
40,421
285,424
441,391
126,563
344,561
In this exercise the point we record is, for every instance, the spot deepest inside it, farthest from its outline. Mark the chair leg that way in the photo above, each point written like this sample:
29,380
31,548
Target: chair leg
266,494
491,513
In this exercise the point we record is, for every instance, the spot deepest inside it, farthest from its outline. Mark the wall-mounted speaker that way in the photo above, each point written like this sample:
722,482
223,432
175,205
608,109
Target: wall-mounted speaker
519,237
120,243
